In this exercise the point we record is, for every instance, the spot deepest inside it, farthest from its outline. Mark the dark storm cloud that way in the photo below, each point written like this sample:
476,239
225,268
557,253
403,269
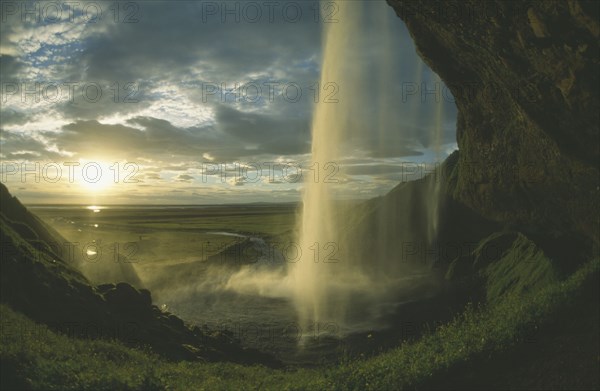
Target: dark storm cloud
236,134
270,134
156,138
93,98
10,67
173,37
21,146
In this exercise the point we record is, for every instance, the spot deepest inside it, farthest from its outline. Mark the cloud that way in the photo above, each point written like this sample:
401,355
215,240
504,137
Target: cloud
10,67
154,108
156,138
13,117
14,144
152,176
372,169
184,178
183,40
262,133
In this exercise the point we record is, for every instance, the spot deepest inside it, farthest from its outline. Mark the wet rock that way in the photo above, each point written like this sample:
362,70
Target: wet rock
528,151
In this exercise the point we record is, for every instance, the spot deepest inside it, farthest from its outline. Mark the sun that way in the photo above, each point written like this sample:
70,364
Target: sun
96,176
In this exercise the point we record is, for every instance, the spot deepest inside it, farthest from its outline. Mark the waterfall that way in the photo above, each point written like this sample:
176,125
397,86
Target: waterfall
333,277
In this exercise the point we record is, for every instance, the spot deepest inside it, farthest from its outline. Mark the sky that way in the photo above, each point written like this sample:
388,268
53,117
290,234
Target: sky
204,102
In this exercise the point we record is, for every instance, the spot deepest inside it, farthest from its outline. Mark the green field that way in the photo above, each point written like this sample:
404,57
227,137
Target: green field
169,234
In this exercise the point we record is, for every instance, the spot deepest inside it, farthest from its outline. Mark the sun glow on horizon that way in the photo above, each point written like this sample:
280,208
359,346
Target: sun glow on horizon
97,176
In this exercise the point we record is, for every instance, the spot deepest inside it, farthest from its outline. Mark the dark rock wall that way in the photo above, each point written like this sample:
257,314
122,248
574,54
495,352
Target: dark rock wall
525,79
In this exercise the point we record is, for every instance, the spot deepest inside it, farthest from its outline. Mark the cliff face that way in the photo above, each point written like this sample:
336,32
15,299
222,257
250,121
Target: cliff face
525,79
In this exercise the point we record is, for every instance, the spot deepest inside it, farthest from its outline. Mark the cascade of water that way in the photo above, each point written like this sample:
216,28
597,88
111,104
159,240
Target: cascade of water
436,180
315,271
330,274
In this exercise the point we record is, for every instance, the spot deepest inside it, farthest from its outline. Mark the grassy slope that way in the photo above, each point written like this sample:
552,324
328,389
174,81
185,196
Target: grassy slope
33,356
555,355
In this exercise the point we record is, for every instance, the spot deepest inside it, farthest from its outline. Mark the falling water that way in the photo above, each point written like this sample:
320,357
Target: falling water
436,180
315,272
332,275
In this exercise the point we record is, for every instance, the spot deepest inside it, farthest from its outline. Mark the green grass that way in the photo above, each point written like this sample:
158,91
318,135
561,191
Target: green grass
42,359
471,334
505,264
523,268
